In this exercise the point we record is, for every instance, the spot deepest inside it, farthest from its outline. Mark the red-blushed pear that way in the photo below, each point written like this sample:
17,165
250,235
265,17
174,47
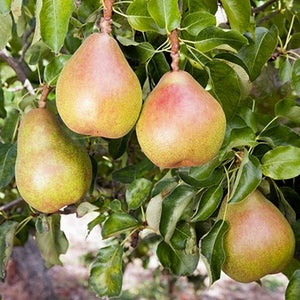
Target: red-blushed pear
52,170
259,241
181,124
97,92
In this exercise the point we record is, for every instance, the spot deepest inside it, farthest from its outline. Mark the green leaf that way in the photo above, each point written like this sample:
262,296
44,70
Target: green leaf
153,212
10,125
195,22
138,192
226,87
214,37
181,254
7,235
295,81
285,70
54,22
139,17
256,54
282,162
247,179
238,13
241,137
203,5
289,109
211,249
85,208
165,13
8,155
16,9
37,30
3,112
106,272
5,6
50,240
293,289
53,69
5,30
209,202
118,223
173,207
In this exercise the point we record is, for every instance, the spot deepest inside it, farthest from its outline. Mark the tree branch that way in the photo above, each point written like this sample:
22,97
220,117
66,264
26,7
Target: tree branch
11,204
15,65
262,7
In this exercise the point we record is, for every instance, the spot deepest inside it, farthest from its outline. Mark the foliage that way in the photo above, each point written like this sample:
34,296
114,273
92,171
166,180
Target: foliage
250,62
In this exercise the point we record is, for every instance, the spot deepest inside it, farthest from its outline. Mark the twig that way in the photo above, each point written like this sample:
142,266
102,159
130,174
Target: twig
105,22
11,204
173,37
15,65
26,43
46,90
262,7
268,17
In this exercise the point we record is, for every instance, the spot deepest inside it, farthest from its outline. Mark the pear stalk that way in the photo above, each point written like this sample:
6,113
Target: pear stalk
105,22
173,37
43,100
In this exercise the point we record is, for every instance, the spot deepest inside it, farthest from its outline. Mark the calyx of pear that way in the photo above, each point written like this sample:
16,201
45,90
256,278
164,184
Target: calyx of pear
52,170
97,92
181,124
259,241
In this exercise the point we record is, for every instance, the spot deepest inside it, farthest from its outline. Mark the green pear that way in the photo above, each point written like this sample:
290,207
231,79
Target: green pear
259,241
181,124
51,170
97,92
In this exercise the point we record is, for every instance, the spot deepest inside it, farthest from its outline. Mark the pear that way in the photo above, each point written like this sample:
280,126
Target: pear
259,241
97,92
51,170
181,124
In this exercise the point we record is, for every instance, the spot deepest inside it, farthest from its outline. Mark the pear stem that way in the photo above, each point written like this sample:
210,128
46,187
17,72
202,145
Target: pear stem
173,38
46,90
105,22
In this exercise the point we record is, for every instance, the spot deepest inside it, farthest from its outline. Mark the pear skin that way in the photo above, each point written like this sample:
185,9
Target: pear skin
181,124
51,170
260,241
97,92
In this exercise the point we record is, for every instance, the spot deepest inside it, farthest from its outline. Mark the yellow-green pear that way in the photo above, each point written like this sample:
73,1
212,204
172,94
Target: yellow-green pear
181,124
97,92
259,241
51,170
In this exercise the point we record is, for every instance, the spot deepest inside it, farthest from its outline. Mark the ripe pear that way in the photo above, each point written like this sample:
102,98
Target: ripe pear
97,92
259,241
52,170
181,124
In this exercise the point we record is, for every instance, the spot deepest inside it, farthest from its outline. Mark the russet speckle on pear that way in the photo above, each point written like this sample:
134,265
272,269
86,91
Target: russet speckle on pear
259,241
97,92
52,170
181,124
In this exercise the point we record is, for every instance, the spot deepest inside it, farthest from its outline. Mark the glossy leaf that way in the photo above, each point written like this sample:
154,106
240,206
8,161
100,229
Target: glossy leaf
289,109
247,179
282,162
85,208
181,254
138,192
285,70
106,274
195,22
53,69
5,30
238,13
165,13
7,235
164,186
209,202
139,17
256,54
293,289
37,30
118,223
241,137
8,155
225,85
173,207
54,22
50,240
153,212
214,37
3,112
211,247
8,130
196,5
5,6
